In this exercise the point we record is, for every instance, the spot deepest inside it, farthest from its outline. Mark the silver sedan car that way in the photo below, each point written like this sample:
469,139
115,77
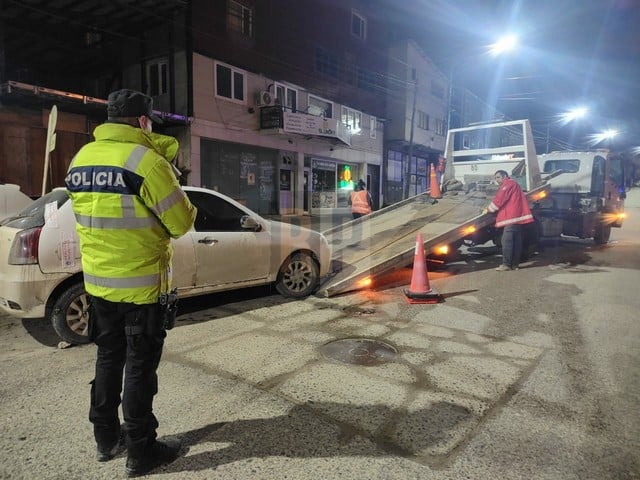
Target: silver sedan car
229,247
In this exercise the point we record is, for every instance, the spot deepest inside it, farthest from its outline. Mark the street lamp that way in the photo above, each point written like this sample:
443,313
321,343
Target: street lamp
503,45
564,118
607,135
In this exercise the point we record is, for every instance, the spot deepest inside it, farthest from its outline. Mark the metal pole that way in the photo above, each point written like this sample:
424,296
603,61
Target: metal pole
413,116
548,138
449,99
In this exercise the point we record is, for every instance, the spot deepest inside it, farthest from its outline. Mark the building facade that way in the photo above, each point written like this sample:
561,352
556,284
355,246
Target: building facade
281,105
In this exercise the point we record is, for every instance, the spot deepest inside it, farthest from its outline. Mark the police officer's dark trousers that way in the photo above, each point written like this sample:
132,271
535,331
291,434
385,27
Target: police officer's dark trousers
129,337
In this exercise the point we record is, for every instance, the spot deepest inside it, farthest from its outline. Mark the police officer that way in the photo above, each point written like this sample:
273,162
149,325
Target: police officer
128,204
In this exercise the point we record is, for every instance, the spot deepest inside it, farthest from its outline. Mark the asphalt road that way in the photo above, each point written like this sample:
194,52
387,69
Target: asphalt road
529,374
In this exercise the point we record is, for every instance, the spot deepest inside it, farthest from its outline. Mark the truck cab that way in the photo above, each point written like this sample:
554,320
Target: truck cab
587,194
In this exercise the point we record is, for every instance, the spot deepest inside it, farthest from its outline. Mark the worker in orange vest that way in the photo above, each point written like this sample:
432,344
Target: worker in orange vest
360,200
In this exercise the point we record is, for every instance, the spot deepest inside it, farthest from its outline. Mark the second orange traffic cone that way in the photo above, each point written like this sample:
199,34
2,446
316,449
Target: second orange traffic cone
434,188
420,291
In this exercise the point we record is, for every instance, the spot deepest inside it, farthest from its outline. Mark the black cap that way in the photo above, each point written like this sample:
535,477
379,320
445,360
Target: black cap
130,103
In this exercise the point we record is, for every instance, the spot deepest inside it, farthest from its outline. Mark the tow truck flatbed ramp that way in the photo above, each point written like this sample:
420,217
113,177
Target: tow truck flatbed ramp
385,240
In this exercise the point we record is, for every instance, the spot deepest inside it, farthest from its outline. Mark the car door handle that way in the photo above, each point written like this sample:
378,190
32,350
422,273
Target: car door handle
208,241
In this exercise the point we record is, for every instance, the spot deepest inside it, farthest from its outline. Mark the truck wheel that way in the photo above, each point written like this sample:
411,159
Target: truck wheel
602,234
298,276
70,315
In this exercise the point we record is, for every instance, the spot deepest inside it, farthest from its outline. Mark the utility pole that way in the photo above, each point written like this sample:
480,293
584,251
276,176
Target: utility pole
407,175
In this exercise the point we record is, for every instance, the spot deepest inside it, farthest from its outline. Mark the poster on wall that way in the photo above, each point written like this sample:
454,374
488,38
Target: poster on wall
265,180
285,180
248,164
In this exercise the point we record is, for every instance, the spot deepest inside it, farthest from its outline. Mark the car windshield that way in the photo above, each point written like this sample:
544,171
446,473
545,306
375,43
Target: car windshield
33,214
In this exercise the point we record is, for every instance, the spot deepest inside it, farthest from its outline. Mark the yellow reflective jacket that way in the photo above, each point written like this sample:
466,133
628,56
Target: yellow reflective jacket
128,204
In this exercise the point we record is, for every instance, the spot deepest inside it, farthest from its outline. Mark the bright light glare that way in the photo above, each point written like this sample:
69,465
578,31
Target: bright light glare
602,136
442,250
575,113
365,282
504,44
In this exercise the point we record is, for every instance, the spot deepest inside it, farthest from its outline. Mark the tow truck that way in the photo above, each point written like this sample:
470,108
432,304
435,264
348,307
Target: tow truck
385,240
587,197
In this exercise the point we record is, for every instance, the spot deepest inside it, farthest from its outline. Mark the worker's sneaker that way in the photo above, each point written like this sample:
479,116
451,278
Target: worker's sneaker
160,453
503,268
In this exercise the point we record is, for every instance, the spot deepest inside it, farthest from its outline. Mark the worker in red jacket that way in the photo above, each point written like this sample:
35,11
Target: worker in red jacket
513,212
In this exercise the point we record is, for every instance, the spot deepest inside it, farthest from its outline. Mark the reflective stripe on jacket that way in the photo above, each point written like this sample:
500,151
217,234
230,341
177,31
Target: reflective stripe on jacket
511,204
128,204
360,202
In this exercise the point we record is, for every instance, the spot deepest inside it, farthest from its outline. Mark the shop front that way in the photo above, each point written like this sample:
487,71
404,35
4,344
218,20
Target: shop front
331,183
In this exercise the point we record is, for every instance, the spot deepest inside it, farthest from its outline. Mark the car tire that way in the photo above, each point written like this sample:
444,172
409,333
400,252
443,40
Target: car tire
602,234
70,315
298,277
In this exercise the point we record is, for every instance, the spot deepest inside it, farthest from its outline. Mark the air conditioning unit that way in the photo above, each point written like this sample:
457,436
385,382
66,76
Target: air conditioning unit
265,99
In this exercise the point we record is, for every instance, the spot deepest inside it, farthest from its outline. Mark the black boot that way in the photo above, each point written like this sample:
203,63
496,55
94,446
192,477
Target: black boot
160,453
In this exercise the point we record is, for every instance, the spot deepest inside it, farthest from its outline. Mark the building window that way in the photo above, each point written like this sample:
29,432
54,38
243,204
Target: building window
394,166
437,90
372,127
440,127
358,25
157,77
230,83
326,62
353,119
287,97
320,107
423,120
240,19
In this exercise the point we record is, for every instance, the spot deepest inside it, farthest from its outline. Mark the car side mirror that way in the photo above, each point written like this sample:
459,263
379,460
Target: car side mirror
247,222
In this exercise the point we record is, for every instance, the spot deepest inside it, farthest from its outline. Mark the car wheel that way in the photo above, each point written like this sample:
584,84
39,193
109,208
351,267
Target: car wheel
602,234
70,317
298,276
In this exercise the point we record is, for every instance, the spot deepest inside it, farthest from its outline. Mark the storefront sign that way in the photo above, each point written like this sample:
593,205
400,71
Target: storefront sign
271,117
304,124
317,164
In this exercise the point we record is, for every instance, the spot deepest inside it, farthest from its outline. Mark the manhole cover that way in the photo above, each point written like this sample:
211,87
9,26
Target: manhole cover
359,351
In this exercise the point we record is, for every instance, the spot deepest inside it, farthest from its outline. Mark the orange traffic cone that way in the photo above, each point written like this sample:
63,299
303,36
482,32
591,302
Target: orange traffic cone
420,291
434,188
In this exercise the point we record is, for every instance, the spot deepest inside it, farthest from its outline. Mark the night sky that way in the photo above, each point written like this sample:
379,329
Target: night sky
571,53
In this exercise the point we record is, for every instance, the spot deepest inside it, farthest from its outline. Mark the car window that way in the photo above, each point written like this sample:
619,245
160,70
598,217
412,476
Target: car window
215,214
33,214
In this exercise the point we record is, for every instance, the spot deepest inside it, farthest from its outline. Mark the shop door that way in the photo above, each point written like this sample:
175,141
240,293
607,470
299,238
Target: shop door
286,192
373,184
305,191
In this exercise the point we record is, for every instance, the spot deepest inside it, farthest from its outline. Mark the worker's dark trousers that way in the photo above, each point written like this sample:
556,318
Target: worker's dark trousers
128,336
511,245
